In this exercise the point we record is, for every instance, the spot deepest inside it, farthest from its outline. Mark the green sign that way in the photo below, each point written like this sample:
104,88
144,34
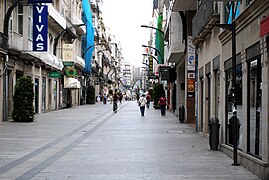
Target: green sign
68,63
55,74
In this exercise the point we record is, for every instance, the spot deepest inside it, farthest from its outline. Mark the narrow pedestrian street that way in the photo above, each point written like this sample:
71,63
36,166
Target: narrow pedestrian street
91,142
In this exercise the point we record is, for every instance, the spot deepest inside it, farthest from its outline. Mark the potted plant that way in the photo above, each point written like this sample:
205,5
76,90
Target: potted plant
23,109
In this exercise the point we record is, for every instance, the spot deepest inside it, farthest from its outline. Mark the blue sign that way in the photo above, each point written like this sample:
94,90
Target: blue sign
40,28
39,1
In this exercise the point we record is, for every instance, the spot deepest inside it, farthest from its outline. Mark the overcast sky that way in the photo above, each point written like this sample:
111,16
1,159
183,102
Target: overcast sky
124,18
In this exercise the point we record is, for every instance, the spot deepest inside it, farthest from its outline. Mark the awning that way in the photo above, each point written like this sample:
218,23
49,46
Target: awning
71,83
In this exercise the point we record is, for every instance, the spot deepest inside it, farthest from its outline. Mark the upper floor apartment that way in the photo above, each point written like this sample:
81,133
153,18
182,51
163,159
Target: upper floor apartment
176,28
64,22
211,13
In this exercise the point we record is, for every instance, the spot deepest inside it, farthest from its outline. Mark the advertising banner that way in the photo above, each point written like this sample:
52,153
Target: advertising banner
40,28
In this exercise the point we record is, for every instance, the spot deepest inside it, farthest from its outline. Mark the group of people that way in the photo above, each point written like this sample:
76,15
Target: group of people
109,97
144,101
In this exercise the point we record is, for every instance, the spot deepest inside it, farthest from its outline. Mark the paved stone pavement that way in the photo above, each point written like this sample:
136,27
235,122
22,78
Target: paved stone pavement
90,142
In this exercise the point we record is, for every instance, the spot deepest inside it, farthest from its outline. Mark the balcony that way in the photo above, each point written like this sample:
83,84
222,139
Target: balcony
79,61
15,42
174,35
183,5
55,18
208,13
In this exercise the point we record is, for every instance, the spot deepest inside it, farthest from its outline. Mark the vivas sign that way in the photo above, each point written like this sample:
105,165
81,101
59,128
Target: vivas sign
39,1
40,28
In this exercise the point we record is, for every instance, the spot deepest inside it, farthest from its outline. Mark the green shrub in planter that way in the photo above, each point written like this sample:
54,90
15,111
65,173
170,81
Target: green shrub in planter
158,90
90,95
23,109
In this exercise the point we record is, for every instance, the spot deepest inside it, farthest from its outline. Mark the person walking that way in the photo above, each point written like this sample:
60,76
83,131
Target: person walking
148,100
115,102
142,103
162,104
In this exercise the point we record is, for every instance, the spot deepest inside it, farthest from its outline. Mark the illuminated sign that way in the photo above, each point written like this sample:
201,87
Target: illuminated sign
39,1
40,28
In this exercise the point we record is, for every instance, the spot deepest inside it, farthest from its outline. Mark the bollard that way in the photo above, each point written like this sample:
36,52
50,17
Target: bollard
234,129
181,113
214,126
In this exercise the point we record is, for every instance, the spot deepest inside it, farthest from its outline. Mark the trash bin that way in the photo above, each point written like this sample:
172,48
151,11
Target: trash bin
231,128
214,126
181,113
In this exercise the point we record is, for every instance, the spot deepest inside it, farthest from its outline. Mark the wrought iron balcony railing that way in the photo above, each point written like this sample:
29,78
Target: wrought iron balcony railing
207,13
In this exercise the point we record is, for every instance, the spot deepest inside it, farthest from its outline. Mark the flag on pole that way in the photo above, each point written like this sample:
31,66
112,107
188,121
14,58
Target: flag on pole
89,39
159,40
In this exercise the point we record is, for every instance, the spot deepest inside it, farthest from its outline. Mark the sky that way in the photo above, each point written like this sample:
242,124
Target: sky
124,19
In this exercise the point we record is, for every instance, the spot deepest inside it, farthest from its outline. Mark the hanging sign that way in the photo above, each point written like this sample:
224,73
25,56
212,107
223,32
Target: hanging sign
40,28
151,66
67,52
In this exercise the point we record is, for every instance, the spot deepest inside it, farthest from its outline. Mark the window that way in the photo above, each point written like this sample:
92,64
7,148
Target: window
30,22
254,106
229,103
10,23
228,11
20,19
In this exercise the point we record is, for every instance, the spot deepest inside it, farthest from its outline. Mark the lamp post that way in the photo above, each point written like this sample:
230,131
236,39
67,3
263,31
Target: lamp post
235,121
159,40
151,27
155,50
152,57
5,59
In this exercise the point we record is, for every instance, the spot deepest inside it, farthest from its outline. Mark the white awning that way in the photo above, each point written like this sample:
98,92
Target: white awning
72,83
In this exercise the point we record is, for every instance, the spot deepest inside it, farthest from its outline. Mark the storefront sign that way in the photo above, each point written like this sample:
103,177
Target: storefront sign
40,28
68,63
67,52
264,29
55,74
191,87
191,54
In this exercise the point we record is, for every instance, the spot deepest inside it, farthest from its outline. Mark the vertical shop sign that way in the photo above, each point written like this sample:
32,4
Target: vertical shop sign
191,54
40,28
150,66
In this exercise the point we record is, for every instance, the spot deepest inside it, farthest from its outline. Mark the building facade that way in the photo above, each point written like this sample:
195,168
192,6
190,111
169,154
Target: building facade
201,53
215,84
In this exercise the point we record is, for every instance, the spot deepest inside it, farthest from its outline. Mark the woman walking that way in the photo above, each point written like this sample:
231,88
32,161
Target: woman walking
142,103
162,104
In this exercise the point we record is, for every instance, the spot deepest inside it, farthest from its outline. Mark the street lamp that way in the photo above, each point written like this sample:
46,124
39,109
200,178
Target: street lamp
154,49
152,57
151,27
5,59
